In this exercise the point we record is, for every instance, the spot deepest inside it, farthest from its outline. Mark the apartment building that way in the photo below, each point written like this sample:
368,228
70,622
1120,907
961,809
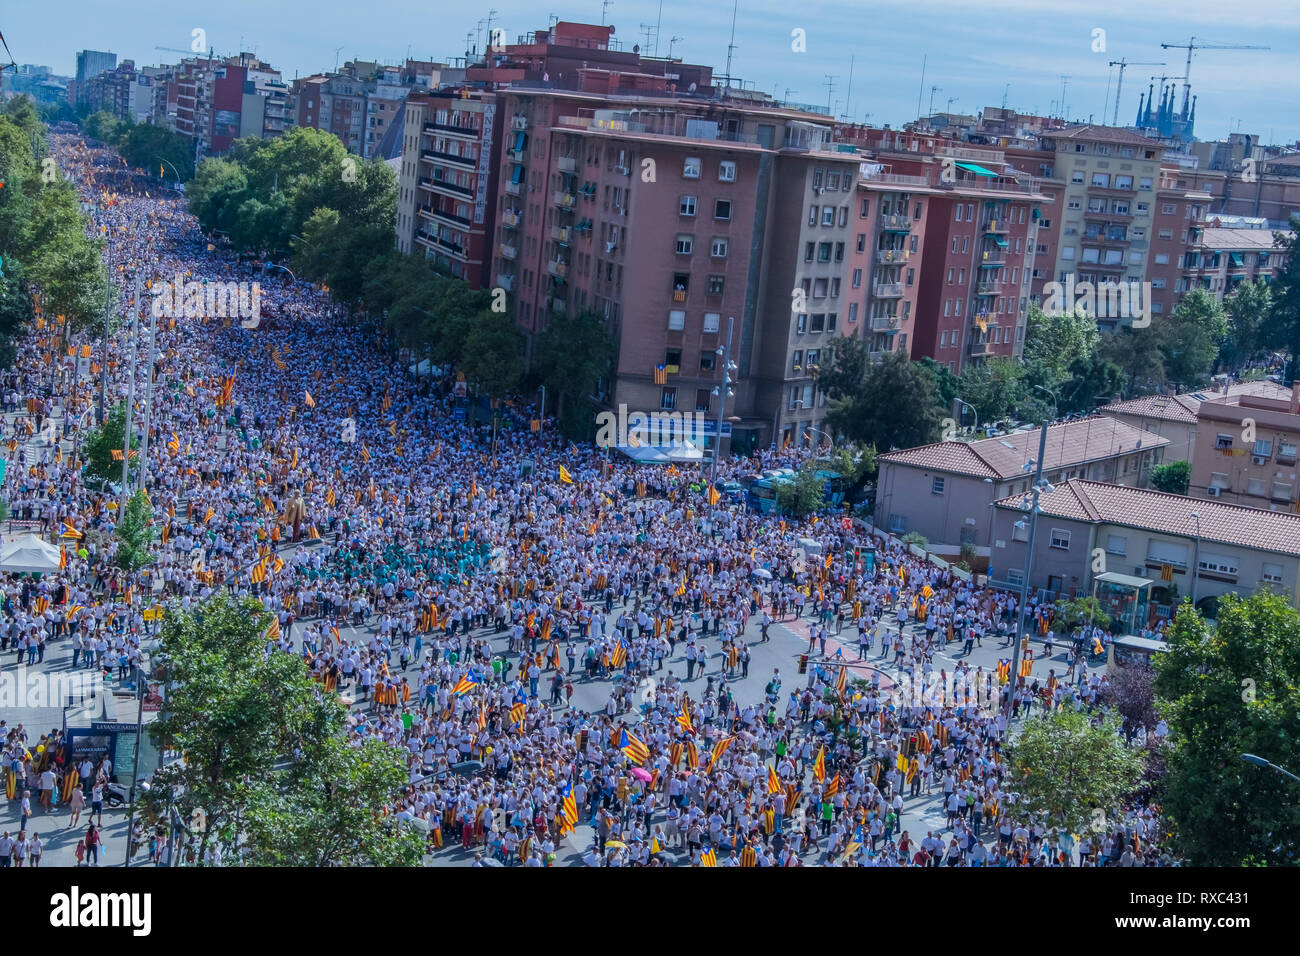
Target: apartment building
1245,450
1178,211
1174,416
1219,260
359,102
447,180
1148,534
90,63
944,490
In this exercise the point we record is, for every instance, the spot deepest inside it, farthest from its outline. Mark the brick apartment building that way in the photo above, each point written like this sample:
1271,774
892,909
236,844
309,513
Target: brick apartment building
1246,450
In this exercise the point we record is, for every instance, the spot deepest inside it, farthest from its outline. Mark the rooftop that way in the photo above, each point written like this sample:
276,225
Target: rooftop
1068,443
1238,239
1183,408
1220,523
1102,134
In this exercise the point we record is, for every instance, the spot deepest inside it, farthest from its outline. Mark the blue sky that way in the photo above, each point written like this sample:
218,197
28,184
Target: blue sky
974,48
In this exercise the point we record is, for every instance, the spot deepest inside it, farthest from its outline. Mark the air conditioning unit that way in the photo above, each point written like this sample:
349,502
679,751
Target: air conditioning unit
611,246
623,170
1212,491
1258,460
821,190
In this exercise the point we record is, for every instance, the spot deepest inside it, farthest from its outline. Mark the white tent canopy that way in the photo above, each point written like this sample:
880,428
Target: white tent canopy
27,552
662,454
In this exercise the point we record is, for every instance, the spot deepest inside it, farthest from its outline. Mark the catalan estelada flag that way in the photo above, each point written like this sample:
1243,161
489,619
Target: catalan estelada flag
1004,669
708,857
568,807
464,685
565,476
636,750
69,531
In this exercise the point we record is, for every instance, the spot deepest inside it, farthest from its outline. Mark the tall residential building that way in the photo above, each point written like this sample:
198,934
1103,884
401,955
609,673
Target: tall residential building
90,63
447,180
360,101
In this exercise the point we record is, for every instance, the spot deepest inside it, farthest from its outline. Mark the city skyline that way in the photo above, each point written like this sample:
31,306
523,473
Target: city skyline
968,65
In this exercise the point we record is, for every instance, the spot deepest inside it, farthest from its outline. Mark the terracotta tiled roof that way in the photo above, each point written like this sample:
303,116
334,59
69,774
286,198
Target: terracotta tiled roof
1101,134
1182,408
1068,444
1220,523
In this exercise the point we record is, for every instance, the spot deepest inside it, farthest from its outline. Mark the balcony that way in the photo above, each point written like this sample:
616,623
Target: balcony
883,323
451,219
977,349
441,185
557,305
564,200
993,259
896,223
558,268
989,288
1118,190
519,121
452,130
511,219
877,357
995,227
436,156
506,281
508,251
514,189
887,290
567,164
561,233
891,255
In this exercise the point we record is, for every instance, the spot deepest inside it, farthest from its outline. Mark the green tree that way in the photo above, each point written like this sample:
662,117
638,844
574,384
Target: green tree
1053,343
265,750
100,444
946,385
892,405
494,355
803,494
1190,338
1138,355
134,534
995,388
1065,769
572,356
1248,311
1227,690
1280,329
1082,611
1092,381
1173,477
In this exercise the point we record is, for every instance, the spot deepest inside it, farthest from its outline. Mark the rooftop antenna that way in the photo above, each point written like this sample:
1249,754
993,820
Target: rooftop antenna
658,21
933,90
848,97
830,87
951,100
468,34
336,58
1005,90
604,10
648,29
921,90
1065,81
732,45
670,45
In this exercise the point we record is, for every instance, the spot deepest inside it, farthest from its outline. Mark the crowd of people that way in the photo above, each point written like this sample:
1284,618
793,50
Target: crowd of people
454,586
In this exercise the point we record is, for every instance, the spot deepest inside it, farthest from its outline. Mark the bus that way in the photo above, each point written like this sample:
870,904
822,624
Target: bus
1130,650
761,491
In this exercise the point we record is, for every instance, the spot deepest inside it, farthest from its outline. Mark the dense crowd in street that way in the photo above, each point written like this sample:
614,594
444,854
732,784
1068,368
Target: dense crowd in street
477,588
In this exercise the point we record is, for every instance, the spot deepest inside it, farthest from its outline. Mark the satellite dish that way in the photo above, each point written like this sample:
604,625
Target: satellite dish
636,48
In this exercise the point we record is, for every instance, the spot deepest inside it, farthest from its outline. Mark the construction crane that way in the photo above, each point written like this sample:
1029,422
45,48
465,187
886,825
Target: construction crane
1191,45
1119,84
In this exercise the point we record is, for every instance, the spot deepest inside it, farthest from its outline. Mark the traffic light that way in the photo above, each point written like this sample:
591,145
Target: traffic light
803,663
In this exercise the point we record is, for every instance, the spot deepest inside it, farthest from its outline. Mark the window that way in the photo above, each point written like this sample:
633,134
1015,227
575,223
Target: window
1222,441
1060,539
669,399
1286,451
727,171
936,486
708,360
812,215
1263,448
835,287
1271,573
1076,176
832,319
819,288
722,209
676,320
824,252
711,320
817,179
857,278
687,206
685,245
828,215
1123,182
1020,530
862,211
718,249
832,181
701,399
801,323
1216,563
691,168
716,284
797,363
839,252
1116,544
809,251
1256,487
1281,491
862,242
844,215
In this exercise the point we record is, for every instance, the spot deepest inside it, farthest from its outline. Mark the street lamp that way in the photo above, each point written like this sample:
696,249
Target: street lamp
972,410
272,266
174,170
723,391
1261,762
1196,558
1038,487
830,442
1055,412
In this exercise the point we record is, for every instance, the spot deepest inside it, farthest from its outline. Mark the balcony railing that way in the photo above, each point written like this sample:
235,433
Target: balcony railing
891,255
887,290
896,223
437,156
515,189
449,187
679,295
994,225
519,121
508,251
561,233
563,200
989,288
506,280
452,129
993,258
510,219
883,323
567,164
558,268
980,348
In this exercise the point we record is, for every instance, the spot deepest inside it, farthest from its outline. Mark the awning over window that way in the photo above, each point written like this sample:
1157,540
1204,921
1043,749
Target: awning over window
1002,243
978,170
1236,259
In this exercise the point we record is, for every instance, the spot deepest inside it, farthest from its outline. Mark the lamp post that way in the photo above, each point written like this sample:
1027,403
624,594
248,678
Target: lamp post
1029,564
722,391
174,170
975,428
1055,411
1261,762
1196,557
829,441
130,400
